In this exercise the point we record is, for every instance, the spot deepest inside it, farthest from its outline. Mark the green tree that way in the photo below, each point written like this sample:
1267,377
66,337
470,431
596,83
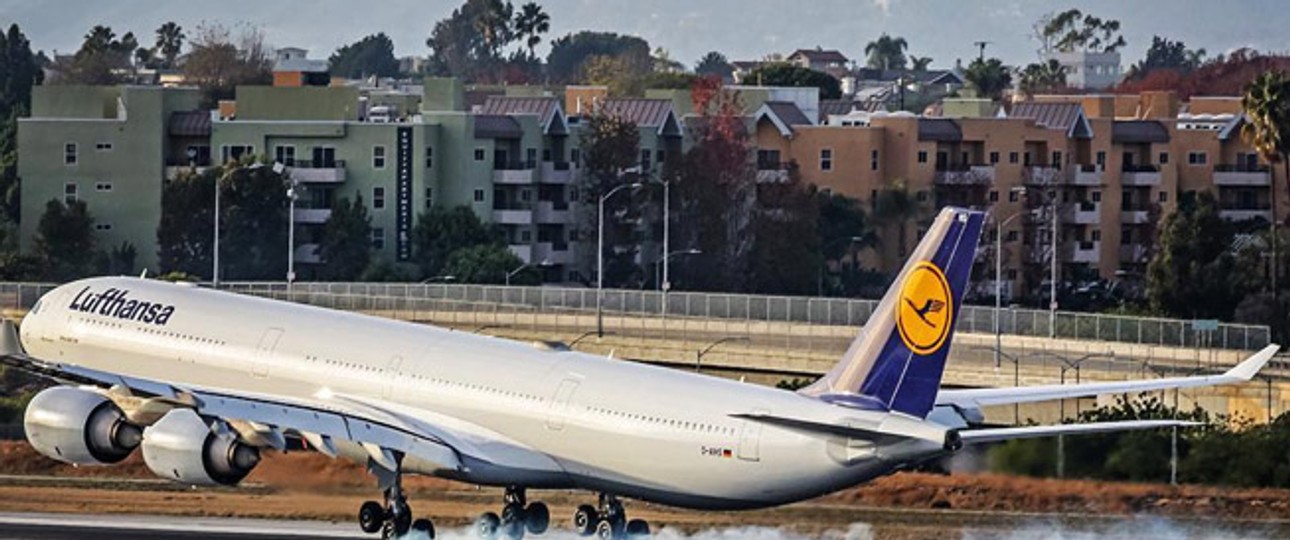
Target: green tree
100,57
218,61
485,263
714,64
1191,274
170,41
1166,54
372,55
19,71
785,254
843,230
118,261
1073,30
569,54
346,246
439,233
611,145
1042,77
64,241
988,77
886,52
919,64
895,209
253,223
780,74
186,229
530,23
1266,104
468,43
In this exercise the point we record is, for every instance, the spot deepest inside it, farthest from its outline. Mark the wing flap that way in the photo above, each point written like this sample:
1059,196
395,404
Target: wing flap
978,436
981,397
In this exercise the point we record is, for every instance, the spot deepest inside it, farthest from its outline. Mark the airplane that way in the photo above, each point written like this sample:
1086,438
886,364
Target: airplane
203,382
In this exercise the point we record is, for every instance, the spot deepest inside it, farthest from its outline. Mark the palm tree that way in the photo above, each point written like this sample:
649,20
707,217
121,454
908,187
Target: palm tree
530,22
170,39
989,77
492,19
886,52
1042,77
919,64
1267,112
895,208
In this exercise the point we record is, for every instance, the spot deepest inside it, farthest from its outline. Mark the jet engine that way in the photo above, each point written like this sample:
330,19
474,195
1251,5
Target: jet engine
79,426
183,447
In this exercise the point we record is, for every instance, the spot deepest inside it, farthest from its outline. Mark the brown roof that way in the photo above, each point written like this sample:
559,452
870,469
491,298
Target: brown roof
821,55
642,112
788,113
190,124
497,126
542,107
1138,131
1050,115
835,107
939,130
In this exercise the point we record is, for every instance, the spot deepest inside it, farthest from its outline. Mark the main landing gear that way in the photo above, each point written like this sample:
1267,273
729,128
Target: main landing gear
518,516
609,521
394,518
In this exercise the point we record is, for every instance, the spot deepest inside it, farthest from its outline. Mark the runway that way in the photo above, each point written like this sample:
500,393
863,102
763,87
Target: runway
78,526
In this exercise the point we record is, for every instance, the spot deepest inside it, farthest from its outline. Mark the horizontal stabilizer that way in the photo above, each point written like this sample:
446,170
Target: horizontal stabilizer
893,428
977,436
982,397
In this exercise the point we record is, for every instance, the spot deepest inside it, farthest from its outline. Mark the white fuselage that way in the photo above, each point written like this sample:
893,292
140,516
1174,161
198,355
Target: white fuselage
571,420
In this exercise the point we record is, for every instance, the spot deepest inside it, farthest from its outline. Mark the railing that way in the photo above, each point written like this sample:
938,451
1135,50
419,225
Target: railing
514,165
747,308
1241,167
1139,168
324,164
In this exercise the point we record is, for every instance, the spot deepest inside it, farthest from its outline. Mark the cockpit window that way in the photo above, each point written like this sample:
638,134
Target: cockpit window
36,308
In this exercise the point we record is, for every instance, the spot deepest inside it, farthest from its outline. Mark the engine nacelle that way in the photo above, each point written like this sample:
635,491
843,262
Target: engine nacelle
79,426
184,448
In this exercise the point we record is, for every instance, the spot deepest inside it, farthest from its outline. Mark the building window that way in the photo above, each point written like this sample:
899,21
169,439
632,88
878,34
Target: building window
526,236
994,196
1013,196
1163,196
573,235
1097,235
1057,159
285,154
1197,158
645,159
69,154
1096,196
994,158
826,159
660,156
378,157
1011,236
1164,158
526,195
69,193
922,197
479,154
429,157
378,198
1012,157
1011,273
429,198
873,160
546,155
1101,159
1026,161
378,238
103,147
575,155
479,195
234,152
102,226
531,156
922,156
103,186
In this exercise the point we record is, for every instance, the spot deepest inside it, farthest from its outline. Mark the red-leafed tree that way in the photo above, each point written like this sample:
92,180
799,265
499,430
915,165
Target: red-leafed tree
1226,75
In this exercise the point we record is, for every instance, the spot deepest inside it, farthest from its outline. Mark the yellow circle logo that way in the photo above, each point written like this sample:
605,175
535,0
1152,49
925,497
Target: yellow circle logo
925,309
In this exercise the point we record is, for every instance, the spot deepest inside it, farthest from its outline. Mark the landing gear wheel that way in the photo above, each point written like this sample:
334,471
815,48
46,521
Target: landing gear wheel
537,518
425,527
608,530
401,518
487,524
512,522
371,517
637,528
585,519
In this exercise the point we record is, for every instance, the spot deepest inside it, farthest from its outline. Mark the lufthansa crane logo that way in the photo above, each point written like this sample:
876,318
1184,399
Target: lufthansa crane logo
925,311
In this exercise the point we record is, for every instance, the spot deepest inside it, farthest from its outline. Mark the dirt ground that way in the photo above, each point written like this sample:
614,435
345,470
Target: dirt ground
303,485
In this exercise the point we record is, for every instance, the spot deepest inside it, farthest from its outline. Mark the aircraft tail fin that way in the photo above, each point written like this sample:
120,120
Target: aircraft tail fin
896,362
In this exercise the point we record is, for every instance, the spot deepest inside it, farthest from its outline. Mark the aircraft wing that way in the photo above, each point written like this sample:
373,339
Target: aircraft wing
978,436
321,421
980,397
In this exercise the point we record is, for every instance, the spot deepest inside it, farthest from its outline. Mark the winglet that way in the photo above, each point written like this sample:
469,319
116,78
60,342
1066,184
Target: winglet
9,343
1250,367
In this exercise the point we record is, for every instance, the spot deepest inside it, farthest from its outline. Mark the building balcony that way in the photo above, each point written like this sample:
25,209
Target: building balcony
1083,252
1140,175
769,173
513,216
312,216
965,175
523,251
308,254
550,212
553,253
1083,213
174,171
1041,176
1135,216
323,172
1241,175
1087,175
1238,213
1134,254
513,172
557,172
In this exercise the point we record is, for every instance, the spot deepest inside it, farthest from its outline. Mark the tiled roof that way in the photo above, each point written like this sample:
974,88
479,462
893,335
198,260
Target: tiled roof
542,107
1050,115
190,124
939,130
788,113
820,55
642,112
938,76
835,107
1138,131
497,126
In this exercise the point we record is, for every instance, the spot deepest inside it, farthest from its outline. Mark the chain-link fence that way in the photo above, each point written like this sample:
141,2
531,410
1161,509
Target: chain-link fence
739,307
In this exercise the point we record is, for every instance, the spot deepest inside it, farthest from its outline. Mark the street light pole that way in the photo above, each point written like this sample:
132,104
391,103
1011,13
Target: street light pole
215,261
1052,285
666,284
600,256
292,195
998,285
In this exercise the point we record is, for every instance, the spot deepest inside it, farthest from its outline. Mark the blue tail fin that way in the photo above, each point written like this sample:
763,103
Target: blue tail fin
897,360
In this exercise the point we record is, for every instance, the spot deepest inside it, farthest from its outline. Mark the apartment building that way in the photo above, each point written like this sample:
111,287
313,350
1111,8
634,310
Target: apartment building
1109,168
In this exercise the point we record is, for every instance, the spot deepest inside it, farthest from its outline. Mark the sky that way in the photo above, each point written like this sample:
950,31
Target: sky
741,29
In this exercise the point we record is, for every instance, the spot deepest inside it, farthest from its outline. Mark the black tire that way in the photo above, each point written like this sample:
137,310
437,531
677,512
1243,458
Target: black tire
637,528
402,520
537,518
486,526
370,517
424,526
512,522
608,530
585,519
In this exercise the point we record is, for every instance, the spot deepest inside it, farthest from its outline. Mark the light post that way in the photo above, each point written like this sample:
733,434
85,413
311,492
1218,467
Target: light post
698,359
293,193
600,255
522,267
666,284
1016,377
819,280
439,279
998,283
1068,364
215,248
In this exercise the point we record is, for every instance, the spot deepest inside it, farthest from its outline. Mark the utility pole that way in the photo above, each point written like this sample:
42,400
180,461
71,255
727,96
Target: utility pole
980,45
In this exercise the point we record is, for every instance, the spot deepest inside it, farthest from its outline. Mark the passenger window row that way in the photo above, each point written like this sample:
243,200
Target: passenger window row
669,422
